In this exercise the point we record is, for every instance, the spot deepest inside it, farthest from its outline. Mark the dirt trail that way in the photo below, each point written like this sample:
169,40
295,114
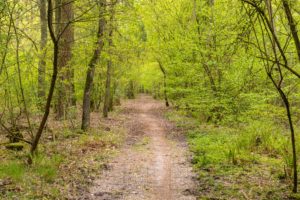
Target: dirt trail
151,166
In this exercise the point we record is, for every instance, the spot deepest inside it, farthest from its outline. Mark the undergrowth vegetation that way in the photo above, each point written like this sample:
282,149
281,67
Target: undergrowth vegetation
49,176
249,161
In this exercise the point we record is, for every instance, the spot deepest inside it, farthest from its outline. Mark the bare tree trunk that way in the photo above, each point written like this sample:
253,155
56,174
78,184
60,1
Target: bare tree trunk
108,94
23,99
53,81
107,88
111,101
130,90
292,25
293,140
65,17
91,69
165,83
43,44
292,130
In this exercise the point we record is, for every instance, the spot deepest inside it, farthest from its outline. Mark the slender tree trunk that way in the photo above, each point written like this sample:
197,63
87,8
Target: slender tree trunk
23,99
107,89
91,69
282,94
292,131
66,94
53,81
116,100
57,9
108,94
43,44
293,26
293,140
130,90
165,83
111,101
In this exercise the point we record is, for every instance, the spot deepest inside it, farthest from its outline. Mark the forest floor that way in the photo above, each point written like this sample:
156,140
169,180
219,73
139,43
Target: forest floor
134,154
143,152
154,162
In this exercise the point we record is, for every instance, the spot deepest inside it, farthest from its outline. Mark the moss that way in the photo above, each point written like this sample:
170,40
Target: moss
15,146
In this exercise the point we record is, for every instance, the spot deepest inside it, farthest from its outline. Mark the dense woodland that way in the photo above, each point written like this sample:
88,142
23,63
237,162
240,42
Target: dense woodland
229,70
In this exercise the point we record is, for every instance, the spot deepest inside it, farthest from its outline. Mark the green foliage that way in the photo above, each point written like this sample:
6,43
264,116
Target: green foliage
233,162
13,169
45,167
263,137
218,146
212,145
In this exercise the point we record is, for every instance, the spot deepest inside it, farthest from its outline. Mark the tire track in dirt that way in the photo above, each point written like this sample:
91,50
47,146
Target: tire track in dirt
151,166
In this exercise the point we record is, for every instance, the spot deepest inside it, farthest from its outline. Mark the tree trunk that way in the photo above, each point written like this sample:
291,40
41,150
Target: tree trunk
52,85
293,140
165,83
91,69
43,43
65,31
292,131
130,90
108,94
292,25
111,102
107,88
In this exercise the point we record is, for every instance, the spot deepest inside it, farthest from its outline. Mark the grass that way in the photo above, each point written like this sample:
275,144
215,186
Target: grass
12,170
47,168
243,162
69,162
44,167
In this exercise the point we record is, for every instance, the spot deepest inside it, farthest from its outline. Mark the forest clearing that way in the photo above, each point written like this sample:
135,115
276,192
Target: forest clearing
149,99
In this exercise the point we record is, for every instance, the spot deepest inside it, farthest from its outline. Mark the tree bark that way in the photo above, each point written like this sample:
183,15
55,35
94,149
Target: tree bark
53,82
107,87
293,140
130,90
91,69
165,83
43,44
108,94
292,131
65,31
292,25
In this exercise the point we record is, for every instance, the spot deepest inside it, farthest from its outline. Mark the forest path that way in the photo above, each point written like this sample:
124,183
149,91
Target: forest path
152,165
